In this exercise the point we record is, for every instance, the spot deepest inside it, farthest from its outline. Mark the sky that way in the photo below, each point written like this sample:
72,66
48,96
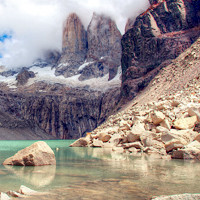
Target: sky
28,28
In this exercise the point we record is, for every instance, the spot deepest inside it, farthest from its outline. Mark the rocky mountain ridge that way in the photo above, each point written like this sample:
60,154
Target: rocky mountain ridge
157,37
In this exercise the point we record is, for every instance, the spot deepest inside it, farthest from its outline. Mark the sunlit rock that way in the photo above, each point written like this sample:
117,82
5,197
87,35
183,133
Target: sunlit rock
37,154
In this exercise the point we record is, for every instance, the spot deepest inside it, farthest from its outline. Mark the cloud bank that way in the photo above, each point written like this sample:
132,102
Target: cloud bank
36,25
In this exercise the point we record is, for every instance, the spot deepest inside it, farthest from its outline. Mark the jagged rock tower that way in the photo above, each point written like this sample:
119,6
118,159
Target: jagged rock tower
90,54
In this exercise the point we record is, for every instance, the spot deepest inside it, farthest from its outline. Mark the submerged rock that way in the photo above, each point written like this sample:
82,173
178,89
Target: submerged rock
37,154
27,191
4,196
178,197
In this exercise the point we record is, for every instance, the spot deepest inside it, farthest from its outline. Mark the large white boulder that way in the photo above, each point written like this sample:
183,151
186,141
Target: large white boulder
37,154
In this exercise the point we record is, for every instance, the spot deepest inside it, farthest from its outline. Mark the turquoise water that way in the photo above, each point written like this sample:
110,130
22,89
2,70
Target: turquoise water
86,173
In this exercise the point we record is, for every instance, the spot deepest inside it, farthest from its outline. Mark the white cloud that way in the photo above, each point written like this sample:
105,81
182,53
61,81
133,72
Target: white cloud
36,25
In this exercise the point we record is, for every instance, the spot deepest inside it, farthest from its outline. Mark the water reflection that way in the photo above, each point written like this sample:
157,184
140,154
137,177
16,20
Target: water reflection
38,176
95,173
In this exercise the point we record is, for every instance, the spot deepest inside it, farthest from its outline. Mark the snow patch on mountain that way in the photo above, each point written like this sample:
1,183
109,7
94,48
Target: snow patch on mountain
47,74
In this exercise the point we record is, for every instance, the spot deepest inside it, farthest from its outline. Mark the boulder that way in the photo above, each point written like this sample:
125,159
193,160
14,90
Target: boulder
136,145
37,154
82,142
185,123
15,194
191,151
197,138
150,142
194,112
166,124
157,117
4,196
104,137
136,132
197,127
133,137
173,145
116,139
27,191
178,197
97,143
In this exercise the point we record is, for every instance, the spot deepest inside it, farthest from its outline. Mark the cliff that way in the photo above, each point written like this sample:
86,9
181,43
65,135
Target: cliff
157,37
56,110
92,53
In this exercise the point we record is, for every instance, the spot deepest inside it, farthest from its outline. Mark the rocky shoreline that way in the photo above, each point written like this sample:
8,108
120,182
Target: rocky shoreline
168,127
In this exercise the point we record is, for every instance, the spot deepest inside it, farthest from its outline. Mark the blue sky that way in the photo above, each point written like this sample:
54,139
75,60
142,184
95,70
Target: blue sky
5,36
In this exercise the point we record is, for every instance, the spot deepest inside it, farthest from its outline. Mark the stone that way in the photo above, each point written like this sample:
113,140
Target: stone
150,142
104,137
37,154
136,145
161,129
15,194
173,145
193,145
178,154
197,138
166,137
81,142
157,117
116,139
197,127
133,137
190,151
27,191
136,131
118,149
185,123
178,197
4,196
166,124
175,103
193,111
97,143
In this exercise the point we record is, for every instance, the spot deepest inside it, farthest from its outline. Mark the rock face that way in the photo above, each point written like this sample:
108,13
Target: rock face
92,53
74,47
23,76
157,37
104,46
37,154
59,111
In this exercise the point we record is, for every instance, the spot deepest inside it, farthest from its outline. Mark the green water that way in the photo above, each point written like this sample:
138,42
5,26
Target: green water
86,173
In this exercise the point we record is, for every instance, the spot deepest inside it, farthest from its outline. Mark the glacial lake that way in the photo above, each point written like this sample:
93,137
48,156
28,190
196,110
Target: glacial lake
95,173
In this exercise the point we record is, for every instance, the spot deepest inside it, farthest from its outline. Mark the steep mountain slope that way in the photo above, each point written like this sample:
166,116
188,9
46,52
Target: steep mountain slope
163,119
157,37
